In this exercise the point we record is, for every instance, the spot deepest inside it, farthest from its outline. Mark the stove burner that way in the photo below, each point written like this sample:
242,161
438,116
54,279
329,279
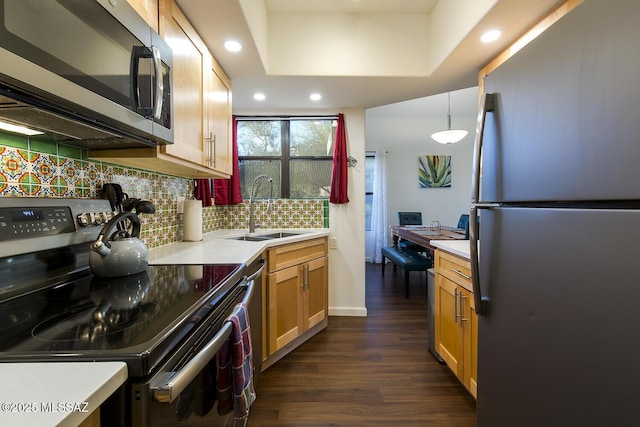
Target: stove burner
89,323
9,320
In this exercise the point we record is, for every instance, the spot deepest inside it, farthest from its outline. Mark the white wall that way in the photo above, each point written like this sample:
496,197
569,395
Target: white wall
346,261
403,133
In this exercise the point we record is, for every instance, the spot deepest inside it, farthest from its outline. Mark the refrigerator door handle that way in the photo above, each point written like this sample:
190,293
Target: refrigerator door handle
481,302
486,106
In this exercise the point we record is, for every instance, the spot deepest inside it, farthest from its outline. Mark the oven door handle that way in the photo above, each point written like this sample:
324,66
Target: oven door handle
170,389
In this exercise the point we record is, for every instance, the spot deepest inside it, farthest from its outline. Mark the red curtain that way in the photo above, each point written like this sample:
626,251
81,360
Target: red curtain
339,179
202,190
227,191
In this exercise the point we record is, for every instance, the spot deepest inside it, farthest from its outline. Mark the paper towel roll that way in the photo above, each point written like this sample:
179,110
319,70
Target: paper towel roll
192,220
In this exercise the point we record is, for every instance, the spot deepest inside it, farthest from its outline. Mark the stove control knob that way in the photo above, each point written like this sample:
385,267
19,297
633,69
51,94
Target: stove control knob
85,219
100,218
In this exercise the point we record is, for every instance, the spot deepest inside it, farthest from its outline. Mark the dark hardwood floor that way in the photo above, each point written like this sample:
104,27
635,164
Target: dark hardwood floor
373,371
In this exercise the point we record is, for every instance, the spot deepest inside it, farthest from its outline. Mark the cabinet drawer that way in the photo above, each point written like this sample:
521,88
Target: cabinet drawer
296,253
456,269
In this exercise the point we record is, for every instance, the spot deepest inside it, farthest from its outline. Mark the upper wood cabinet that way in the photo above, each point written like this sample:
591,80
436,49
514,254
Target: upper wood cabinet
189,54
217,118
201,94
148,9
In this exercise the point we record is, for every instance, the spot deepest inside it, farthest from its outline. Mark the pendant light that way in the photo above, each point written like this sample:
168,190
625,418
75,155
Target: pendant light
449,136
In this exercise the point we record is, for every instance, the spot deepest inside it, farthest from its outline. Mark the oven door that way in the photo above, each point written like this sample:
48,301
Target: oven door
183,392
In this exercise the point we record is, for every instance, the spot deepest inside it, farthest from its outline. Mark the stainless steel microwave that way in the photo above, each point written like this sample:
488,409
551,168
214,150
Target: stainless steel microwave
92,73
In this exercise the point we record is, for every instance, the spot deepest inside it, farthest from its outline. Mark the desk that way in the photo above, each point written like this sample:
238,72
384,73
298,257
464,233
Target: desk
423,235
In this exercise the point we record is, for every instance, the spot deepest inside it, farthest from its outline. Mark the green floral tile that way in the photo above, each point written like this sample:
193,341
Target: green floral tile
45,168
59,187
33,168
13,165
29,184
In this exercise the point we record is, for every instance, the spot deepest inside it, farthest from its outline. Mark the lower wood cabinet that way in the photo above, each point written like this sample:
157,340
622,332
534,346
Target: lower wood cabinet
456,322
297,295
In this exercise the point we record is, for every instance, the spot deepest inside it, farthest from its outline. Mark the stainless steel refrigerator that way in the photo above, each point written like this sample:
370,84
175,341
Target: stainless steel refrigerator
555,226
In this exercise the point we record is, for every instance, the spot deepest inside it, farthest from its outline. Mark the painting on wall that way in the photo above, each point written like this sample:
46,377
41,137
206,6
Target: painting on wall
434,171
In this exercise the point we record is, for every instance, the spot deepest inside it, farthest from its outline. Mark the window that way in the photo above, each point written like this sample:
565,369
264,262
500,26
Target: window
296,152
369,174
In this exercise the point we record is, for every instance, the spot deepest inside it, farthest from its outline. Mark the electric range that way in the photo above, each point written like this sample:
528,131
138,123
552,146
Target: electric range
54,309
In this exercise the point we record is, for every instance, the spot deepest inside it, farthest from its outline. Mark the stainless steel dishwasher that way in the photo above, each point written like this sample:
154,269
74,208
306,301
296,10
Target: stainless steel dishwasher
431,308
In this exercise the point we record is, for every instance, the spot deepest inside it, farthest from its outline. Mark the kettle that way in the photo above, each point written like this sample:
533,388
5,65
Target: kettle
122,253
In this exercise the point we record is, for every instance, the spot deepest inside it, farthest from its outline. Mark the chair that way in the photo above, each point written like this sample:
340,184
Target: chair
463,223
406,260
410,218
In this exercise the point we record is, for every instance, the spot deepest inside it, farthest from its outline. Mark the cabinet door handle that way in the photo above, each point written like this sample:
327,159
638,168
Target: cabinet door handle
207,149
461,274
210,149
213,150
462,318
305,277
455,305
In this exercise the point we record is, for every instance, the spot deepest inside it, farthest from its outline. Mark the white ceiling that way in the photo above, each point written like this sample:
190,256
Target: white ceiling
285,37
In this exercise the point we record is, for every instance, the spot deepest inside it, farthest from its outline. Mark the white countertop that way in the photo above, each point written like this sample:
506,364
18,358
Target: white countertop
56,393
219,247
456,247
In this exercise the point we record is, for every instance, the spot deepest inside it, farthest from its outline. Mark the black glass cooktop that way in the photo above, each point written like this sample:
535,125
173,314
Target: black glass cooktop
134,319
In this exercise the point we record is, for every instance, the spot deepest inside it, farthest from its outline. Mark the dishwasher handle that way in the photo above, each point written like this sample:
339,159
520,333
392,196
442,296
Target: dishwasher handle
172,387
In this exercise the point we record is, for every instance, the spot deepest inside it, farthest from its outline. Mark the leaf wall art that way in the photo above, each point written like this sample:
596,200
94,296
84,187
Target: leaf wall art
434,171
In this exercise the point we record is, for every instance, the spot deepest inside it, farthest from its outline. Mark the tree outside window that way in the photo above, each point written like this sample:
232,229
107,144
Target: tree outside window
296,152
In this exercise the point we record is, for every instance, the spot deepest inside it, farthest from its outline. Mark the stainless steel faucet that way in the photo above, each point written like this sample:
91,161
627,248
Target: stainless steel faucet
252,196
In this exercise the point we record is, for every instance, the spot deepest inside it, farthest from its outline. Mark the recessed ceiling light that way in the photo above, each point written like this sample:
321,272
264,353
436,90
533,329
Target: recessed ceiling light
490,36
259,96
232,46
315,97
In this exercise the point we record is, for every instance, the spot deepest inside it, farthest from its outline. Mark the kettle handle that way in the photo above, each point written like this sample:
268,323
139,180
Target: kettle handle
107,229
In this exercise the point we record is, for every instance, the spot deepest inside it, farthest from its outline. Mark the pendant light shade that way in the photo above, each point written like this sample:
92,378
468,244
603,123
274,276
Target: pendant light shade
449,136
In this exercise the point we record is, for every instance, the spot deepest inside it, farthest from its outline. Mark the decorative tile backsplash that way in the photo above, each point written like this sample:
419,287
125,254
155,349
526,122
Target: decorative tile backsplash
38,167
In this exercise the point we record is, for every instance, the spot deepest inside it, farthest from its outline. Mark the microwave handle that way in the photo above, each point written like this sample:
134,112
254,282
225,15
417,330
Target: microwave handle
159,92
137,53
170,388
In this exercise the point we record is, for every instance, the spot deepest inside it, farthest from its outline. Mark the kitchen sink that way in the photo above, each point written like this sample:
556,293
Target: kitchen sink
263,237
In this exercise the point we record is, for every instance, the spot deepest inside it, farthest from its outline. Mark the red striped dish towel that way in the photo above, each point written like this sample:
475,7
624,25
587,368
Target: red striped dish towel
235,367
